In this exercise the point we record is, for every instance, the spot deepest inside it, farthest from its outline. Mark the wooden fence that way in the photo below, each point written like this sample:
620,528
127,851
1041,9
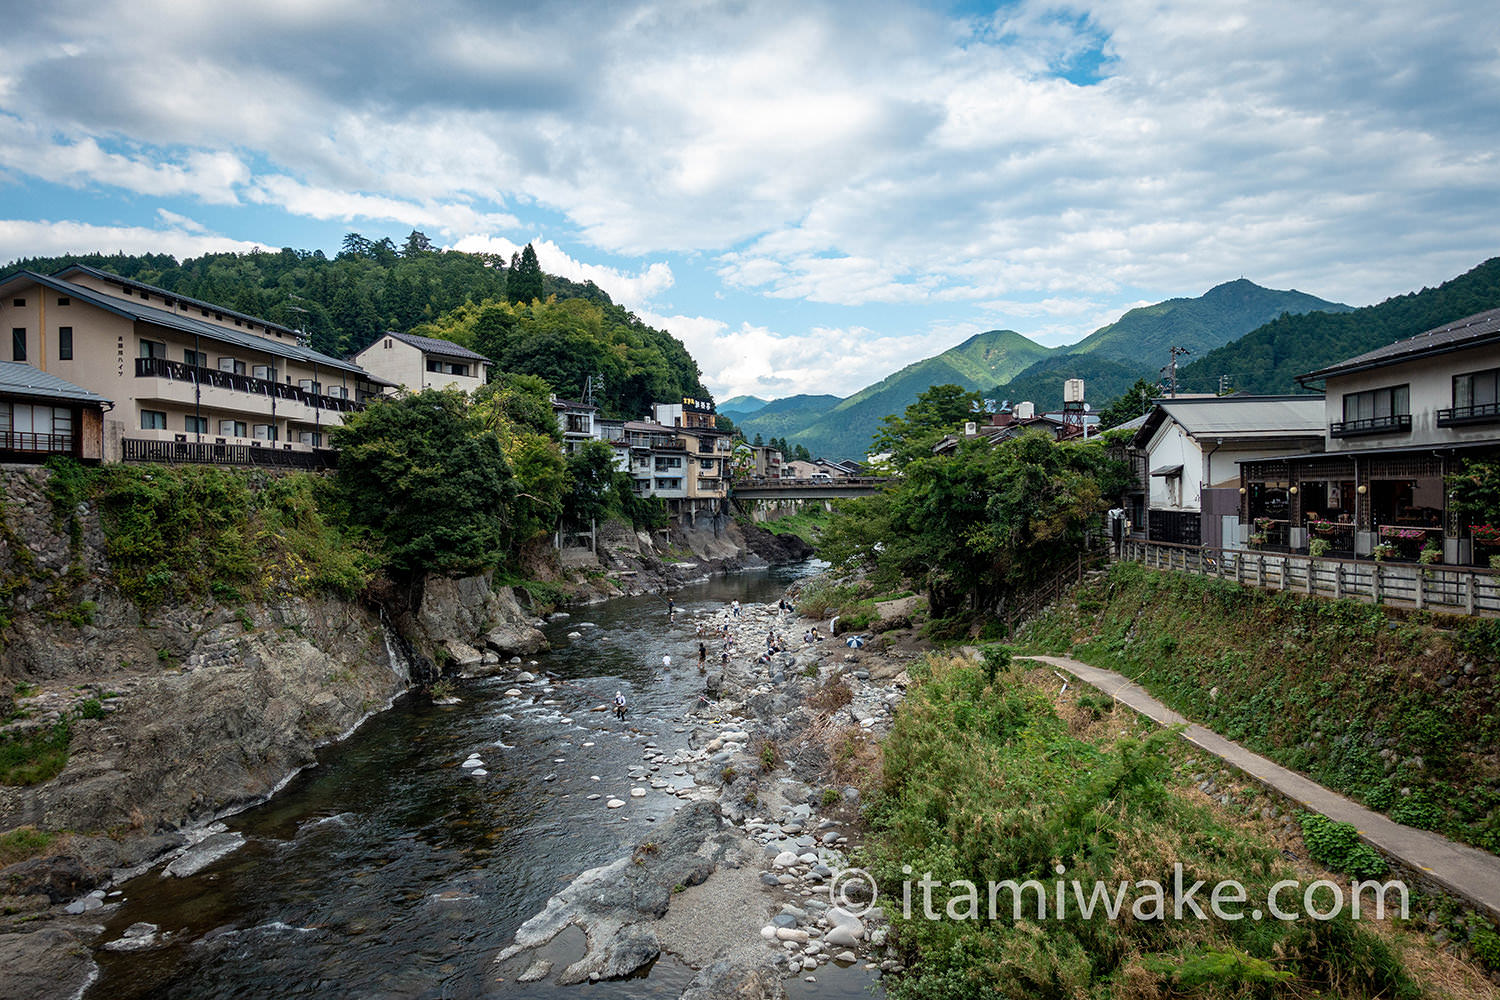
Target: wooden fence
1461,590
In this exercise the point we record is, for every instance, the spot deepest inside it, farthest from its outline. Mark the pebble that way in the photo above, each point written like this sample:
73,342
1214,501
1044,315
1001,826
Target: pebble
637,793
614,804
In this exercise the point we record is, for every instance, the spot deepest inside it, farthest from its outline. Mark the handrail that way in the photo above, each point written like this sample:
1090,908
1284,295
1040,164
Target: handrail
181,371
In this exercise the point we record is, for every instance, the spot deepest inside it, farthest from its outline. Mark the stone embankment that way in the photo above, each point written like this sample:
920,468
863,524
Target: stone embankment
737,882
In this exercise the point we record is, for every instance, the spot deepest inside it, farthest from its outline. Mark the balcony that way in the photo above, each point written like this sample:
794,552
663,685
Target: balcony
37,442
1460,416
1396,423
204,453
181,373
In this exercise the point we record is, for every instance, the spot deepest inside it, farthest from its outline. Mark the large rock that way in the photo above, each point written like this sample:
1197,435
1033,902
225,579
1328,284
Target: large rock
46,962
515,639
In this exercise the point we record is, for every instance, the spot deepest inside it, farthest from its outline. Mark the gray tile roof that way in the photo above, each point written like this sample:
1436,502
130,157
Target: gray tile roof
1471,331
17,379
432,345
167,293
187,324
1238,417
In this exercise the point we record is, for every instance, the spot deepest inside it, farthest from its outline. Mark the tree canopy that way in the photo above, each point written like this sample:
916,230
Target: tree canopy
938,410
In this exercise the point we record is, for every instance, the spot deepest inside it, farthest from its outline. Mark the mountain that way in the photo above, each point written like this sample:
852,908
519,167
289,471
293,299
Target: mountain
739,406
1270,358
844,430
783,416
1138,344
1007,366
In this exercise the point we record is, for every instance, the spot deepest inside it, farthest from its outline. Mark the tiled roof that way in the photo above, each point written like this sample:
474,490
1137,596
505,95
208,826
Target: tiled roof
167,293
186,324
1471,331
17,379
432,345
1238,417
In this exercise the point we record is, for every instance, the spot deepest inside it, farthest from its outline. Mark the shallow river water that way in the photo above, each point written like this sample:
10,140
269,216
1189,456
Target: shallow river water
389,871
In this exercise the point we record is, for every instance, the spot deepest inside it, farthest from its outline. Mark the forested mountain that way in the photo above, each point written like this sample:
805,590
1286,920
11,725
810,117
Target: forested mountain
1269,359
1004,365
738,406
345,302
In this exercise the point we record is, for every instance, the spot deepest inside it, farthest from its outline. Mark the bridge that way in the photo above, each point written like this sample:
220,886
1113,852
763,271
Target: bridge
808,489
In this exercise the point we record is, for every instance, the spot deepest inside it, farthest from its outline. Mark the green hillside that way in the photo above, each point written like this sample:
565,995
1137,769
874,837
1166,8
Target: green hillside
844,431
1269,359
781,417
739,406
1211,320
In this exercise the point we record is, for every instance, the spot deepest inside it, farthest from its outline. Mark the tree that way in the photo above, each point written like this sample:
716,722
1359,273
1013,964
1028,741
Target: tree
800,453
421,473
524,282
938,410
1129,404
591,483
758,442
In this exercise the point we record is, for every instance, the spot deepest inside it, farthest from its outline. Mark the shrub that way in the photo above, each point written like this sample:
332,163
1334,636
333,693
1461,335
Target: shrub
1337,846
34,757
23,842
770,757
1319,547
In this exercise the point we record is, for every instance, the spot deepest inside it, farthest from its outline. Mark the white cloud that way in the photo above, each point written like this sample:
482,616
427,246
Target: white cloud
41,238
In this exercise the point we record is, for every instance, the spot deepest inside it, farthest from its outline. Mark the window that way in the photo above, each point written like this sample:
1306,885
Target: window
663,464
309,385
265,432
310,437
231,365
338,392
263,372
1375,411
1477,389
196,358
153,420
153,349
63,300
18,344
65,343
195,425
458,370
18,302
28,427
434,366
388,343
233,428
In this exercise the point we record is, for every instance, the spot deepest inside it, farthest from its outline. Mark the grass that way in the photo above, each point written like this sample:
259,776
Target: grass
1400,711
34,757
806,524
22,843
985,781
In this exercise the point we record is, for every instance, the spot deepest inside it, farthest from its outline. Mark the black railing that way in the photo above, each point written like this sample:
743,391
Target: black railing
204,453
181,371
1478,413
1393,423
35,441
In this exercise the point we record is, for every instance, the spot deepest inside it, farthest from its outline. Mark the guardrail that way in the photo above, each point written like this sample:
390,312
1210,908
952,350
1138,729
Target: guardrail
1460,590
204,453
1034,601
181,371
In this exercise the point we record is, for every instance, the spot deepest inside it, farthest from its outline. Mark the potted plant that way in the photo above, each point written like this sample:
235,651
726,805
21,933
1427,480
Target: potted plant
1257,540
1384,551
1318,547
1495,561
1430,555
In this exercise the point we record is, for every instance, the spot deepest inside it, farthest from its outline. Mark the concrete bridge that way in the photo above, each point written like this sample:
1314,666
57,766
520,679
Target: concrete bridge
807,489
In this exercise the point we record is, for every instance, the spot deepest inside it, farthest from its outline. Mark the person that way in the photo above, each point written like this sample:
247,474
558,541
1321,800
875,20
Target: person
620,705
666,662
671,608
702,656
735,608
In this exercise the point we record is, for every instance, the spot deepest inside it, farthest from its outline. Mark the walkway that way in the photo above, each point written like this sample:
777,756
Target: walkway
1464,871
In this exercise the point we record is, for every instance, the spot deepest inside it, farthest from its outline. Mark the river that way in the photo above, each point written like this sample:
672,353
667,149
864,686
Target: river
390,870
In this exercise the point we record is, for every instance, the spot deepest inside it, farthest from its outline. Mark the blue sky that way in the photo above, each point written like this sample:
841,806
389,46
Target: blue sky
810,195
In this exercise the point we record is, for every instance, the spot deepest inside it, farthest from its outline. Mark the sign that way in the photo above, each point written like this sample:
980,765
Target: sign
697,405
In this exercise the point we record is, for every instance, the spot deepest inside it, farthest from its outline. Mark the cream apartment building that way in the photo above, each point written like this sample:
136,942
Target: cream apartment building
418,363
190,380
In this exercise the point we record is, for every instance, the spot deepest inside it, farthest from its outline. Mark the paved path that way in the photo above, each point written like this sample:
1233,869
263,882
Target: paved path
1465,871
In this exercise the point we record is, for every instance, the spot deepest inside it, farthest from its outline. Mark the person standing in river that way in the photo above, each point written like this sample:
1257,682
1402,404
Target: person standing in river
702,657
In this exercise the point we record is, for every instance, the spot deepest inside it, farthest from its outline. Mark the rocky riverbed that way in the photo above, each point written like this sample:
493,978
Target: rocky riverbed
740,882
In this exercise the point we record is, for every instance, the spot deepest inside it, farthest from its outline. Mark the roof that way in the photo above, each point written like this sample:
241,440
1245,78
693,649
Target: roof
187,324
1167,470
432,345
17,379
1471,331
1238,417
564,404
169,294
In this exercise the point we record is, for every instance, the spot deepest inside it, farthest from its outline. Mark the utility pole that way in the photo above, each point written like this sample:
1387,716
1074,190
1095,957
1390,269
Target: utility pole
1170,371
1223,385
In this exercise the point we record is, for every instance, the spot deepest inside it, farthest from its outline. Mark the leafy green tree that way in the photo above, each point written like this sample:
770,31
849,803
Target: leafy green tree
800,453
517,411
1129,404
758,442
524,283
591,483
974,527
1475,491
939,410
421,473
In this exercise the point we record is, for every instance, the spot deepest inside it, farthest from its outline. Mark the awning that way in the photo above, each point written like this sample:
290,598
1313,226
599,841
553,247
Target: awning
1167,470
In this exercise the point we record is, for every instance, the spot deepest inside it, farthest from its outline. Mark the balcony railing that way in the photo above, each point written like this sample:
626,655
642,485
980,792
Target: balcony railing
1392,424
204,453
35,441
1478,413
181,371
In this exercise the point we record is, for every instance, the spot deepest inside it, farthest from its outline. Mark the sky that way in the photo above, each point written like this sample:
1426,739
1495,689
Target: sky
808,194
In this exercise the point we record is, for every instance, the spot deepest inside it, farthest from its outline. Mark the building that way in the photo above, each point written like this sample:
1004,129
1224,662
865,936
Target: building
41,415
577,421
190,380
418,363
1185,460
1398,420
757,461
685,463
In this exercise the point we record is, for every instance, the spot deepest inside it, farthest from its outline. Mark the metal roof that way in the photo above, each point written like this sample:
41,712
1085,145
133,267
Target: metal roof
1239,416
187,324
17,379
167,293
432,345
1471,331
